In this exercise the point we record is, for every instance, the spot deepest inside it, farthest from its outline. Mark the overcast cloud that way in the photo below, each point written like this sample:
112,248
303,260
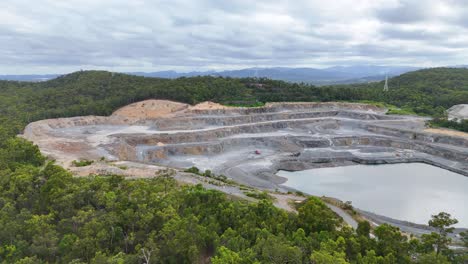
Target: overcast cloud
55,36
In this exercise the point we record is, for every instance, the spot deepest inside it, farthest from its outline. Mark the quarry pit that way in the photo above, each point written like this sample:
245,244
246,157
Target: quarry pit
247,145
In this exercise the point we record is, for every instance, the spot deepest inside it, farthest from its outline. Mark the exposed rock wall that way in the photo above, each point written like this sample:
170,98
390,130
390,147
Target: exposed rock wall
420,136
249,142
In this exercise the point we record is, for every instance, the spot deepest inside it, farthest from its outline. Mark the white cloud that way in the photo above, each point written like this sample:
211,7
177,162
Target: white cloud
143,35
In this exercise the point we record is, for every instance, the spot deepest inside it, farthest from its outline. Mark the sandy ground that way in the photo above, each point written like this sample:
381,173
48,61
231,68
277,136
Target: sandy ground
207,106
447,132
149,109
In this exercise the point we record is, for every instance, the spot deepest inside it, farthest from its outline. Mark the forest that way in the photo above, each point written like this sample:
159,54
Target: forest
49,216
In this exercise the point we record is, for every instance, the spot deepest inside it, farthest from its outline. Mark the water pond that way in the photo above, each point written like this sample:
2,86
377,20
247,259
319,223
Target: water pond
408,191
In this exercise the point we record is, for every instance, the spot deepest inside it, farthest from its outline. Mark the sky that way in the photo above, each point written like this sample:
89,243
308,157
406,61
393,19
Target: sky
56,36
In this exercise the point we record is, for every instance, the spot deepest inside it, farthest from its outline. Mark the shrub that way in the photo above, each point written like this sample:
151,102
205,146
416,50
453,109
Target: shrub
193,170
82,163
259,195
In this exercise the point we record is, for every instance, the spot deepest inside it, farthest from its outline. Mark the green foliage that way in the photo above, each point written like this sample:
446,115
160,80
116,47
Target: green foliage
391,241
277,249
308,212
432,258
209,174
399,111
442,222
226,256
259,195
372,258
48,216
194,170
363,228
330,252
348,205
82,163
299,193
248,104
17,151
461,125
464,237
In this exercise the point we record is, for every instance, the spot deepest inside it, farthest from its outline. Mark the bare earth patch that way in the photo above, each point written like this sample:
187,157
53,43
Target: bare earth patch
127,169
149,109
207,106
447,132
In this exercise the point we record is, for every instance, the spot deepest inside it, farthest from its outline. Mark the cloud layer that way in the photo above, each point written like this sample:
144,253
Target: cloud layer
142,35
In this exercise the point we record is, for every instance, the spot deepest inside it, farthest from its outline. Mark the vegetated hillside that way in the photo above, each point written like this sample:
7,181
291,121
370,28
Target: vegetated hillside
100,93
48,216
431,92
427,92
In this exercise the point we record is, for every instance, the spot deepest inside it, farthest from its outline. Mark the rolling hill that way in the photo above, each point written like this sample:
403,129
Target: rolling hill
428,92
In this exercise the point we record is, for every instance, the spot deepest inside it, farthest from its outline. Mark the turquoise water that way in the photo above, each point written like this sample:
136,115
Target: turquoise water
408,191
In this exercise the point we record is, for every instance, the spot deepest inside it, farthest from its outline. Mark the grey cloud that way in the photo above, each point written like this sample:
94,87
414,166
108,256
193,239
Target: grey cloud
393,32
195,35
407,12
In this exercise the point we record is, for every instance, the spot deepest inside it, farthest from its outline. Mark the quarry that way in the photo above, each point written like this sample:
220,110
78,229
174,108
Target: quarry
248,145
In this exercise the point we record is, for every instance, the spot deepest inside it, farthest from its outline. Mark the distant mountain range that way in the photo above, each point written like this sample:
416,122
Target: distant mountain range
331,75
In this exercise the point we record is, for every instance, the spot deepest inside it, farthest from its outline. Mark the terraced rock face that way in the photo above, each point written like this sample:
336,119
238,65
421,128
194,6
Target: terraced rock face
249,144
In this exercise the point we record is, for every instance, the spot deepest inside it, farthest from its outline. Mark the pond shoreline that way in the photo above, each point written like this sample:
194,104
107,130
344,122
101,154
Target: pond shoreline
396,191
